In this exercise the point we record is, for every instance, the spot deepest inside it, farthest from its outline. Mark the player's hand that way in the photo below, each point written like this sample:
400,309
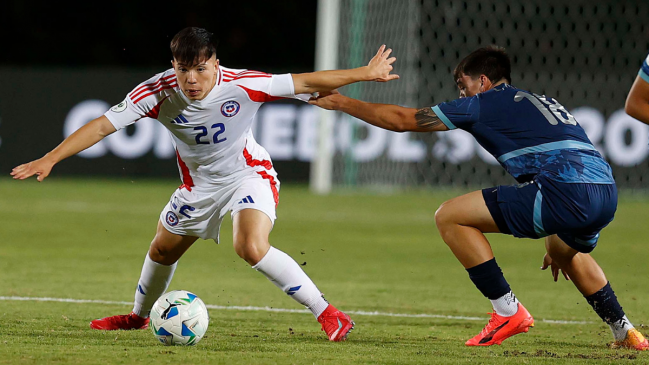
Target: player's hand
547,262
41,168
327,100
380,66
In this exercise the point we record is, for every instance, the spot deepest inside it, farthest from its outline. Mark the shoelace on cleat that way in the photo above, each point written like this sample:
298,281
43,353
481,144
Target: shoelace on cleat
492,323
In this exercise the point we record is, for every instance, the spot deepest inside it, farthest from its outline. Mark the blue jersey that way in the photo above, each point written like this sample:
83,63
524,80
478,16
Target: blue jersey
529,134
644,71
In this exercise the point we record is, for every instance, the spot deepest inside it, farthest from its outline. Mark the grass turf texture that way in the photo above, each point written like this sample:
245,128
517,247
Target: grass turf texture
86,239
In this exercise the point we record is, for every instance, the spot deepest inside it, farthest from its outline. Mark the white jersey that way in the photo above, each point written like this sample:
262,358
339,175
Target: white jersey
213,138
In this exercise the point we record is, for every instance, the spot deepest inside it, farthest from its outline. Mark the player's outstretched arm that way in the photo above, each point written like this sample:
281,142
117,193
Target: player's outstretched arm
637,102
387,116
378,69
78,141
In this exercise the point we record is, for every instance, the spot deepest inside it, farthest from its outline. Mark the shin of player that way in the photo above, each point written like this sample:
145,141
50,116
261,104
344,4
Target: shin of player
590,280
462,222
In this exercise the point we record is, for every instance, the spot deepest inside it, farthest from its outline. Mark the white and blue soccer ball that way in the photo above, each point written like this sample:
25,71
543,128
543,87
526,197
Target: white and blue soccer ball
179,318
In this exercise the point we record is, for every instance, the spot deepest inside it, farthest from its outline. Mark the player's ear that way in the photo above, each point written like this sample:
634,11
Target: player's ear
485,83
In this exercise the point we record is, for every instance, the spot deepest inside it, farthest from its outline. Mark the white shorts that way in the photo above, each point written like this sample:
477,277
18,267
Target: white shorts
199,212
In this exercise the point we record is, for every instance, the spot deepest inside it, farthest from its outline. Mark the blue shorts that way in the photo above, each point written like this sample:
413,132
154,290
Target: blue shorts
542,207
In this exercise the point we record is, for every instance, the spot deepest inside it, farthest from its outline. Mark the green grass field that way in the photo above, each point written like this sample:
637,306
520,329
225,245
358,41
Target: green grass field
86,239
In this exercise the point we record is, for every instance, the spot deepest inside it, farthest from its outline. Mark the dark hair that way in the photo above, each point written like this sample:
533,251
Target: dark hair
491,61
193,45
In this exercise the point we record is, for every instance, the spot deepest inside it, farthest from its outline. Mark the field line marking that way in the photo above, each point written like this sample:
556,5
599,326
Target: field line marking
279,310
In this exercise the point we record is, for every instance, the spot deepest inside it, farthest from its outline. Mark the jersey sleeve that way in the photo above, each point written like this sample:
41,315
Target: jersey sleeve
644,71
124,114
460,113
143,101
268,87
283,86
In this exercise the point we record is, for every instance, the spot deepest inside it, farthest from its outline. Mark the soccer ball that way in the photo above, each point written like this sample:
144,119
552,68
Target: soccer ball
179,318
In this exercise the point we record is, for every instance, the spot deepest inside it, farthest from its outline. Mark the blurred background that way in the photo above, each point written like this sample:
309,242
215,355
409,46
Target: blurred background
63,65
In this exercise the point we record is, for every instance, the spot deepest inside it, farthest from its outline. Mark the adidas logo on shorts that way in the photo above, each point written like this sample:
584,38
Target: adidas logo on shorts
247,199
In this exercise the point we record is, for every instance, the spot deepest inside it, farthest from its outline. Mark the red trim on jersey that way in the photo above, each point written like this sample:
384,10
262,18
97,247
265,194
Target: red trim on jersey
259,96
273,185
164,87
165,80
244,77
254,163
153,84
188,182
250,73
229,75
245,72
136,96
153,113
251,76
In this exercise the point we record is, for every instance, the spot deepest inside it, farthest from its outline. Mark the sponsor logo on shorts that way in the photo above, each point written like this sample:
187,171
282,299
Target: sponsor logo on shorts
172,218
230,108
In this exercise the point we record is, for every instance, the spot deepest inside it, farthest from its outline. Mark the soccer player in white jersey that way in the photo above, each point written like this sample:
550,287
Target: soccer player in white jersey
209,111
637,102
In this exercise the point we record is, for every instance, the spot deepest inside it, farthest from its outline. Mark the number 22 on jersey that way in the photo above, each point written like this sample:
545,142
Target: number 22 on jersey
220,128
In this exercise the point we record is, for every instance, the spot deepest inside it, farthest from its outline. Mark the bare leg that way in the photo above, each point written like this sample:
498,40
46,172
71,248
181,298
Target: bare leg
592,283
166,247
461,222
580,267
250,236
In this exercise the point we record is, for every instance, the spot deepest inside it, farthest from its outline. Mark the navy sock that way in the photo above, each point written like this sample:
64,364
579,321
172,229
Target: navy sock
489,279
605,304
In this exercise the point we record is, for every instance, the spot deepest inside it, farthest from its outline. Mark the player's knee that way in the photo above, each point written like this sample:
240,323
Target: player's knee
161,255
250,248
444,217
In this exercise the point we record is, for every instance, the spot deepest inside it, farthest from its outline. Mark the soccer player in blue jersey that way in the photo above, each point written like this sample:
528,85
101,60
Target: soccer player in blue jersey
566,192
637,102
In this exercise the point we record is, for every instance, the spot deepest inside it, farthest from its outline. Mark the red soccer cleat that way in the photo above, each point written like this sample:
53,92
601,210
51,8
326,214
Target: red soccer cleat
123,322
501,328
335,323
634,340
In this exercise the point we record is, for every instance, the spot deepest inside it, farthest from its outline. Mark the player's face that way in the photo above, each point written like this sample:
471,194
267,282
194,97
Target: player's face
196,81
468,86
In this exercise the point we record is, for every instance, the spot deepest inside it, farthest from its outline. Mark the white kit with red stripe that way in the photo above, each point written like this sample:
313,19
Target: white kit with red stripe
212,136
215,148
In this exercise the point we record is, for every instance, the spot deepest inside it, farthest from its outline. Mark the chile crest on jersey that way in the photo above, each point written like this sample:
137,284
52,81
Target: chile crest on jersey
230,108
